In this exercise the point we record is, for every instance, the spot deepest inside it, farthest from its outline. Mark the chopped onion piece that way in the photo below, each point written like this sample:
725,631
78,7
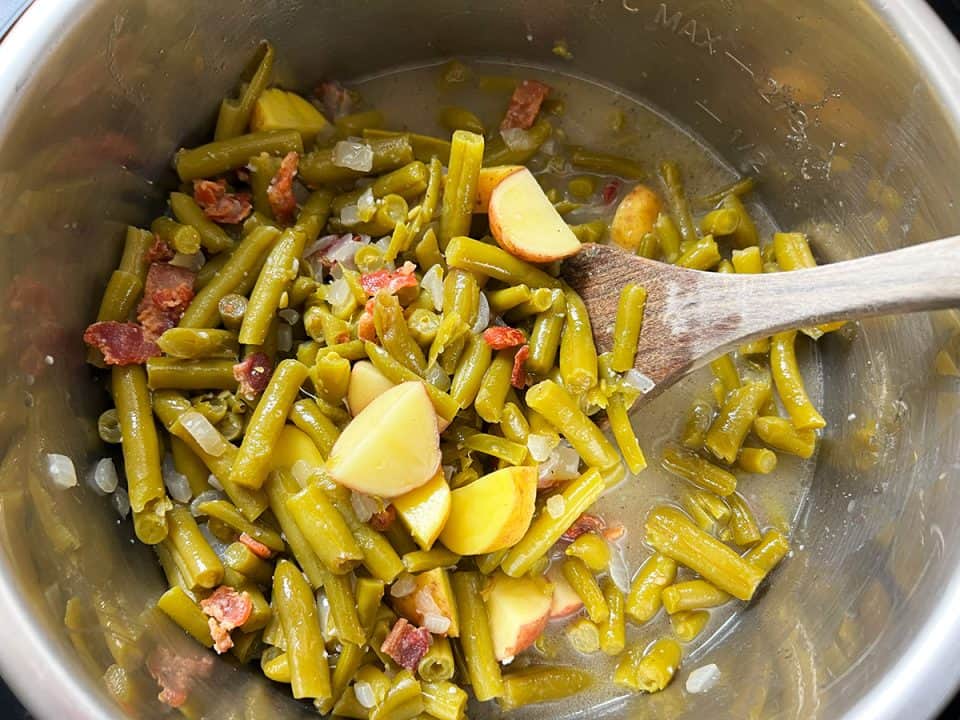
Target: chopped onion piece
436,624
349,215
436,377
327,629
105,477
518,139
540,446
121,502
403,586
338,293
562,464
365,695
301,471
432,283
555,506
702,679
284,338
353,155
483,315
366,205
204,497
177,484
216,544
638,381
364,506
214,482
61,471
191,262
203,431
618,569
289,316
448,472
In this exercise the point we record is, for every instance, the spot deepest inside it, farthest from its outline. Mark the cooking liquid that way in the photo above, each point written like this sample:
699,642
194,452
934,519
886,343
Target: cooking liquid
411,99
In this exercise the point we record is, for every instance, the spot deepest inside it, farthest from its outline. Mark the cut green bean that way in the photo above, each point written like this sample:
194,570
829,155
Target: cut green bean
489,260
626,329
475,639
173,374
213,237
235,114
700,472
221,156
578,354
542,683
297,609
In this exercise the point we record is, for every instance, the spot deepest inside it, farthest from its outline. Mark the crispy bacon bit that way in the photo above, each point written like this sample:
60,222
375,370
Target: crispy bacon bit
381,521
610,191
335,98
228,609
366,329
406,644
518,376
256,547
283,202
500,337
584,524
167,292
390,282
253,373
160,251
218,204
525,105
614,533
176,674
121,343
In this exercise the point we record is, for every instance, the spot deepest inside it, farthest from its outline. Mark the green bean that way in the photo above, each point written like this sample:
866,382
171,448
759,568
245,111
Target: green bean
644,599
409,182
669,237
489,260
120,297
728,431
108,427
394,334
495,386
475,639
180,608
444,700
233,518
200,565
396,373
459,118
676,197
296,606
619,416
651,671
378,555
427,251
423,325
542,683
356,123
262,168
221,156
241,559
182,238
325,530
242,267
189,465
193,343
701,254
743,524
497,152
172,374
720,222
498,447
330,377
692,595
613,631
768,553
789,382
737,188
541,300
404,699
234,114
418,561
698,423
578,354
759,461
503,300
670,532
545,337
700,472
280,487
726,372
279,270
430,202
563,412
513,424
687,624
460,189
141,452
213,237
253,460
307,415
605,164
780,434
471,369
586,587
425,147
545,530
745,235
626,332
389,153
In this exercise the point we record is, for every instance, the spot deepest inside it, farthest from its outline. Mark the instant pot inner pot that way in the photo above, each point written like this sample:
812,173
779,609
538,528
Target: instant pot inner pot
823,103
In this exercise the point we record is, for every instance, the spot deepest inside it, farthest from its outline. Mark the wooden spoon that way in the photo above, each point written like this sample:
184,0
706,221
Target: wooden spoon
693,317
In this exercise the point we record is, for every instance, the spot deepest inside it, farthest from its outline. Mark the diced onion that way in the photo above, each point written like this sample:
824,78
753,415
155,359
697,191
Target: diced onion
105,478
61,470
618,569
563,463
338,293
483,316
436,376
121,502
353,155
203,431
432,283
556,506
448,471
289,316
177,484
214,482
216,544
702,679
364,506
540,446
403,586
518,139
436,624
327,629
349,215
191,262
364,694
638,381
302,471
284,338
366,205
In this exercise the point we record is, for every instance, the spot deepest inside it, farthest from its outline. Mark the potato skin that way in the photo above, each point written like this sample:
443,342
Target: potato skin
635,217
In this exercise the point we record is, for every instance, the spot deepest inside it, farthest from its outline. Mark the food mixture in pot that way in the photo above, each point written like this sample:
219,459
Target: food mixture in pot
364,424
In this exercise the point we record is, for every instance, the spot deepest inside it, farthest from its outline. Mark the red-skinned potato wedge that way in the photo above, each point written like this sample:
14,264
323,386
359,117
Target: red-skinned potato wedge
635,217
366,385
391,447
519,609
489,178
525,223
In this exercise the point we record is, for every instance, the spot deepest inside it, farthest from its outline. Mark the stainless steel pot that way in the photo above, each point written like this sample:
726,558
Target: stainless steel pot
850,113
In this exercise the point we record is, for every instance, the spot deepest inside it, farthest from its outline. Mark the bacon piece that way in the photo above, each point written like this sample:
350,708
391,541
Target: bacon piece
160,251
228,609
256,547
167,292
390,282
525,105
610,191
615,532
366,329
253,373
218,204
518,376
176,674
406,644
500,337
335,98
121,343
584,524
381,521
283,202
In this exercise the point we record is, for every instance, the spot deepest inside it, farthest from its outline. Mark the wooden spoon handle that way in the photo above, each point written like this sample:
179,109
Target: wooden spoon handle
921,277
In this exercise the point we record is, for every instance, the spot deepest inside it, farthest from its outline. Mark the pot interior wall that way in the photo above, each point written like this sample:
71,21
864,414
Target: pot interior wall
823,104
